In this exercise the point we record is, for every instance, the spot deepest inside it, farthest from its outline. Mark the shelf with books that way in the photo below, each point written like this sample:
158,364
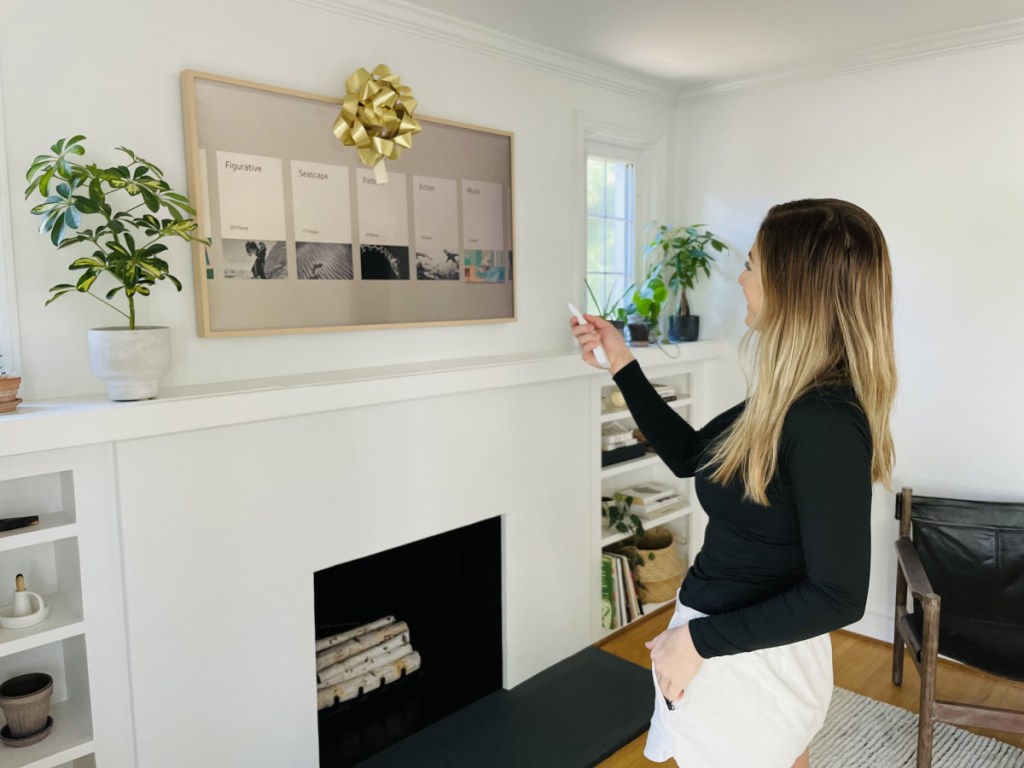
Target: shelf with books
684,382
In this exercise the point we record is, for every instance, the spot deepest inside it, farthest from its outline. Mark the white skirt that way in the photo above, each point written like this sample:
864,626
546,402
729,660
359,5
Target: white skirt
751,710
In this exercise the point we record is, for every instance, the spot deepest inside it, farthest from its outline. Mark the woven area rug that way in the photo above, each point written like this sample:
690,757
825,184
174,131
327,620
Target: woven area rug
863,733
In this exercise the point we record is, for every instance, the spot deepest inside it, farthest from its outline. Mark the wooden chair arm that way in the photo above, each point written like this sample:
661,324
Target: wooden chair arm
909,562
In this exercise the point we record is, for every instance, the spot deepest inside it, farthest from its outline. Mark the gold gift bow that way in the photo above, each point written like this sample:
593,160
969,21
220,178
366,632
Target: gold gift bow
376,117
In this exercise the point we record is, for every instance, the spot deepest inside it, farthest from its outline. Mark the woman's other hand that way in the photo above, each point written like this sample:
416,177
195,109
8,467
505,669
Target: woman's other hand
676,661
598,331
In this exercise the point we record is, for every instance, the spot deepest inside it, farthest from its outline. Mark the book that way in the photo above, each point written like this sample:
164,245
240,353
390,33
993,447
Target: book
607,605
649,512
646,494
616,595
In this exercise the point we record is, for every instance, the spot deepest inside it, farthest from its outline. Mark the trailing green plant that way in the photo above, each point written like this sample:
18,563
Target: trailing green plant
677,255
620,518
126,239
612,309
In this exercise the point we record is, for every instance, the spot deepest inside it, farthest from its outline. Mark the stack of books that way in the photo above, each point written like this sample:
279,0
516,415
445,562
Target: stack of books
650,500
620,603
615,435
667,393
618,443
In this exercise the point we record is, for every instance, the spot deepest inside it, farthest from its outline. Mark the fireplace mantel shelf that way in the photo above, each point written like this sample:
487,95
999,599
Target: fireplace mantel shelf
64,423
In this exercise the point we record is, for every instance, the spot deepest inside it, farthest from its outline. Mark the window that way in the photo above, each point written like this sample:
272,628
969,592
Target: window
611,227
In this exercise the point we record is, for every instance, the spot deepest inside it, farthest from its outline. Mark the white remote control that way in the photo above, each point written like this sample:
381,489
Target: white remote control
599,353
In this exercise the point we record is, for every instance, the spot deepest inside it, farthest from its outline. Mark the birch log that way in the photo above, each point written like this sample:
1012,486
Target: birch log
350,689
336,653
362,663
327,642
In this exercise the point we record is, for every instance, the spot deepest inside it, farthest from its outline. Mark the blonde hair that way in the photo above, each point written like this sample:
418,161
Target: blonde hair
825,318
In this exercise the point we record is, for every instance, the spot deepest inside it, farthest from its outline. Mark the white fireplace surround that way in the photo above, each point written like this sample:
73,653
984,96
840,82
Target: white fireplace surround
228,499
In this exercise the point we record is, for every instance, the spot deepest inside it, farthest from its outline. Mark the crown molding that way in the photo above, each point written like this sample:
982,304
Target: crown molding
448,30
914,49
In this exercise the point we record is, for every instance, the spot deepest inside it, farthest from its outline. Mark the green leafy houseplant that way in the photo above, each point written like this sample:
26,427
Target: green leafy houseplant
644,311
620,518
128,228
677,255
612,309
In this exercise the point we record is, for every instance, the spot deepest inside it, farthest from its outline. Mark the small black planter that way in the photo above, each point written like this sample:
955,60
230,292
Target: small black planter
683,328
639,334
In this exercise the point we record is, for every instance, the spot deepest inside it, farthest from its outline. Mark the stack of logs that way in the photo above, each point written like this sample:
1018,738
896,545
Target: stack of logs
362,659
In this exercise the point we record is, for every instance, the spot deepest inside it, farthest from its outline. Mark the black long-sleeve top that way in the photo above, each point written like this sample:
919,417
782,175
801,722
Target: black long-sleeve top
798,568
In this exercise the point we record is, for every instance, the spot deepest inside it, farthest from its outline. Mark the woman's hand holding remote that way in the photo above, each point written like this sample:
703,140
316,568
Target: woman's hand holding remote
597,331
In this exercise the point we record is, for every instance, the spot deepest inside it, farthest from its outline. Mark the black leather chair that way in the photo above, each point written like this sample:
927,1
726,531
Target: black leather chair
964,567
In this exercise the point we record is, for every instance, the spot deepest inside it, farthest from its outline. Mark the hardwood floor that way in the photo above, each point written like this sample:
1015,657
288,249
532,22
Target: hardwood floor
862,665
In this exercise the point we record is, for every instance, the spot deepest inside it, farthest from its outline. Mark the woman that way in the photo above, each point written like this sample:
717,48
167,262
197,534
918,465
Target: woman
744,670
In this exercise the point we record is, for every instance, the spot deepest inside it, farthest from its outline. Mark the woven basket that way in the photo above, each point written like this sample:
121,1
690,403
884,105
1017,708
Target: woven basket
659,576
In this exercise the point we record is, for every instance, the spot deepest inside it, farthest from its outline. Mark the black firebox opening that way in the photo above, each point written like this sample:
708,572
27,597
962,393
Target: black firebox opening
448,589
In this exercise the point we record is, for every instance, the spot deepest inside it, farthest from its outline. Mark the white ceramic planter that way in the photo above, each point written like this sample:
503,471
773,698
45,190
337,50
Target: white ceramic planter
130,362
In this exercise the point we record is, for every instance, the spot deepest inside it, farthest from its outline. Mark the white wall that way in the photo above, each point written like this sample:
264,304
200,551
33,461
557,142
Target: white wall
933,150
111,72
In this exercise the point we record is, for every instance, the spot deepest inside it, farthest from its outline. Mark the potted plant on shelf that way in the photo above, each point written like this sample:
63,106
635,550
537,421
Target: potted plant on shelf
620,519
133,209
612,309
644,311
8,389
678,255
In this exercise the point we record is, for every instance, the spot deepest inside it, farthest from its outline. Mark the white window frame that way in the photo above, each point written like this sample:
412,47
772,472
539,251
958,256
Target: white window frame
649,153
633,158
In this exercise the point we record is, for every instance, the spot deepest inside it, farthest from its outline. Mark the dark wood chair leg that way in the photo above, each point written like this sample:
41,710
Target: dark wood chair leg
929,666
897,638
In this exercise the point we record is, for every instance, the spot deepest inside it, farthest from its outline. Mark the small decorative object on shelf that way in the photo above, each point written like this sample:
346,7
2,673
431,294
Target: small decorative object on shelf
13,523
25,700
125,247
613,401
368,657
376,118
27,610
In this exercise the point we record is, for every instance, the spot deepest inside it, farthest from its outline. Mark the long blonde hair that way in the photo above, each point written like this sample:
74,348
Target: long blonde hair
825,318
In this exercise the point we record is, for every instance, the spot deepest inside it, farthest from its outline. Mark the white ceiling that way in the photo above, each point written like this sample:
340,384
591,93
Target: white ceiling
693,43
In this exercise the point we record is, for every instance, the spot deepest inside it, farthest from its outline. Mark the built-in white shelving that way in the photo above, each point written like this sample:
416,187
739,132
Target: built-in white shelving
71,493
685,376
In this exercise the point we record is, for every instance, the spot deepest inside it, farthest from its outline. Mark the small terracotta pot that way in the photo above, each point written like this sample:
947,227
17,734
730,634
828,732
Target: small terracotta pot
25,700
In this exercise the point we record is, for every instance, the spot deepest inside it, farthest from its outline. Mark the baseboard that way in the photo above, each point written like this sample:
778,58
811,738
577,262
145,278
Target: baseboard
876,623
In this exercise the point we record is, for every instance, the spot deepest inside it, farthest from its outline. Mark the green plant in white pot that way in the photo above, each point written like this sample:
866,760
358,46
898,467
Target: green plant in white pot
130,209
678,256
